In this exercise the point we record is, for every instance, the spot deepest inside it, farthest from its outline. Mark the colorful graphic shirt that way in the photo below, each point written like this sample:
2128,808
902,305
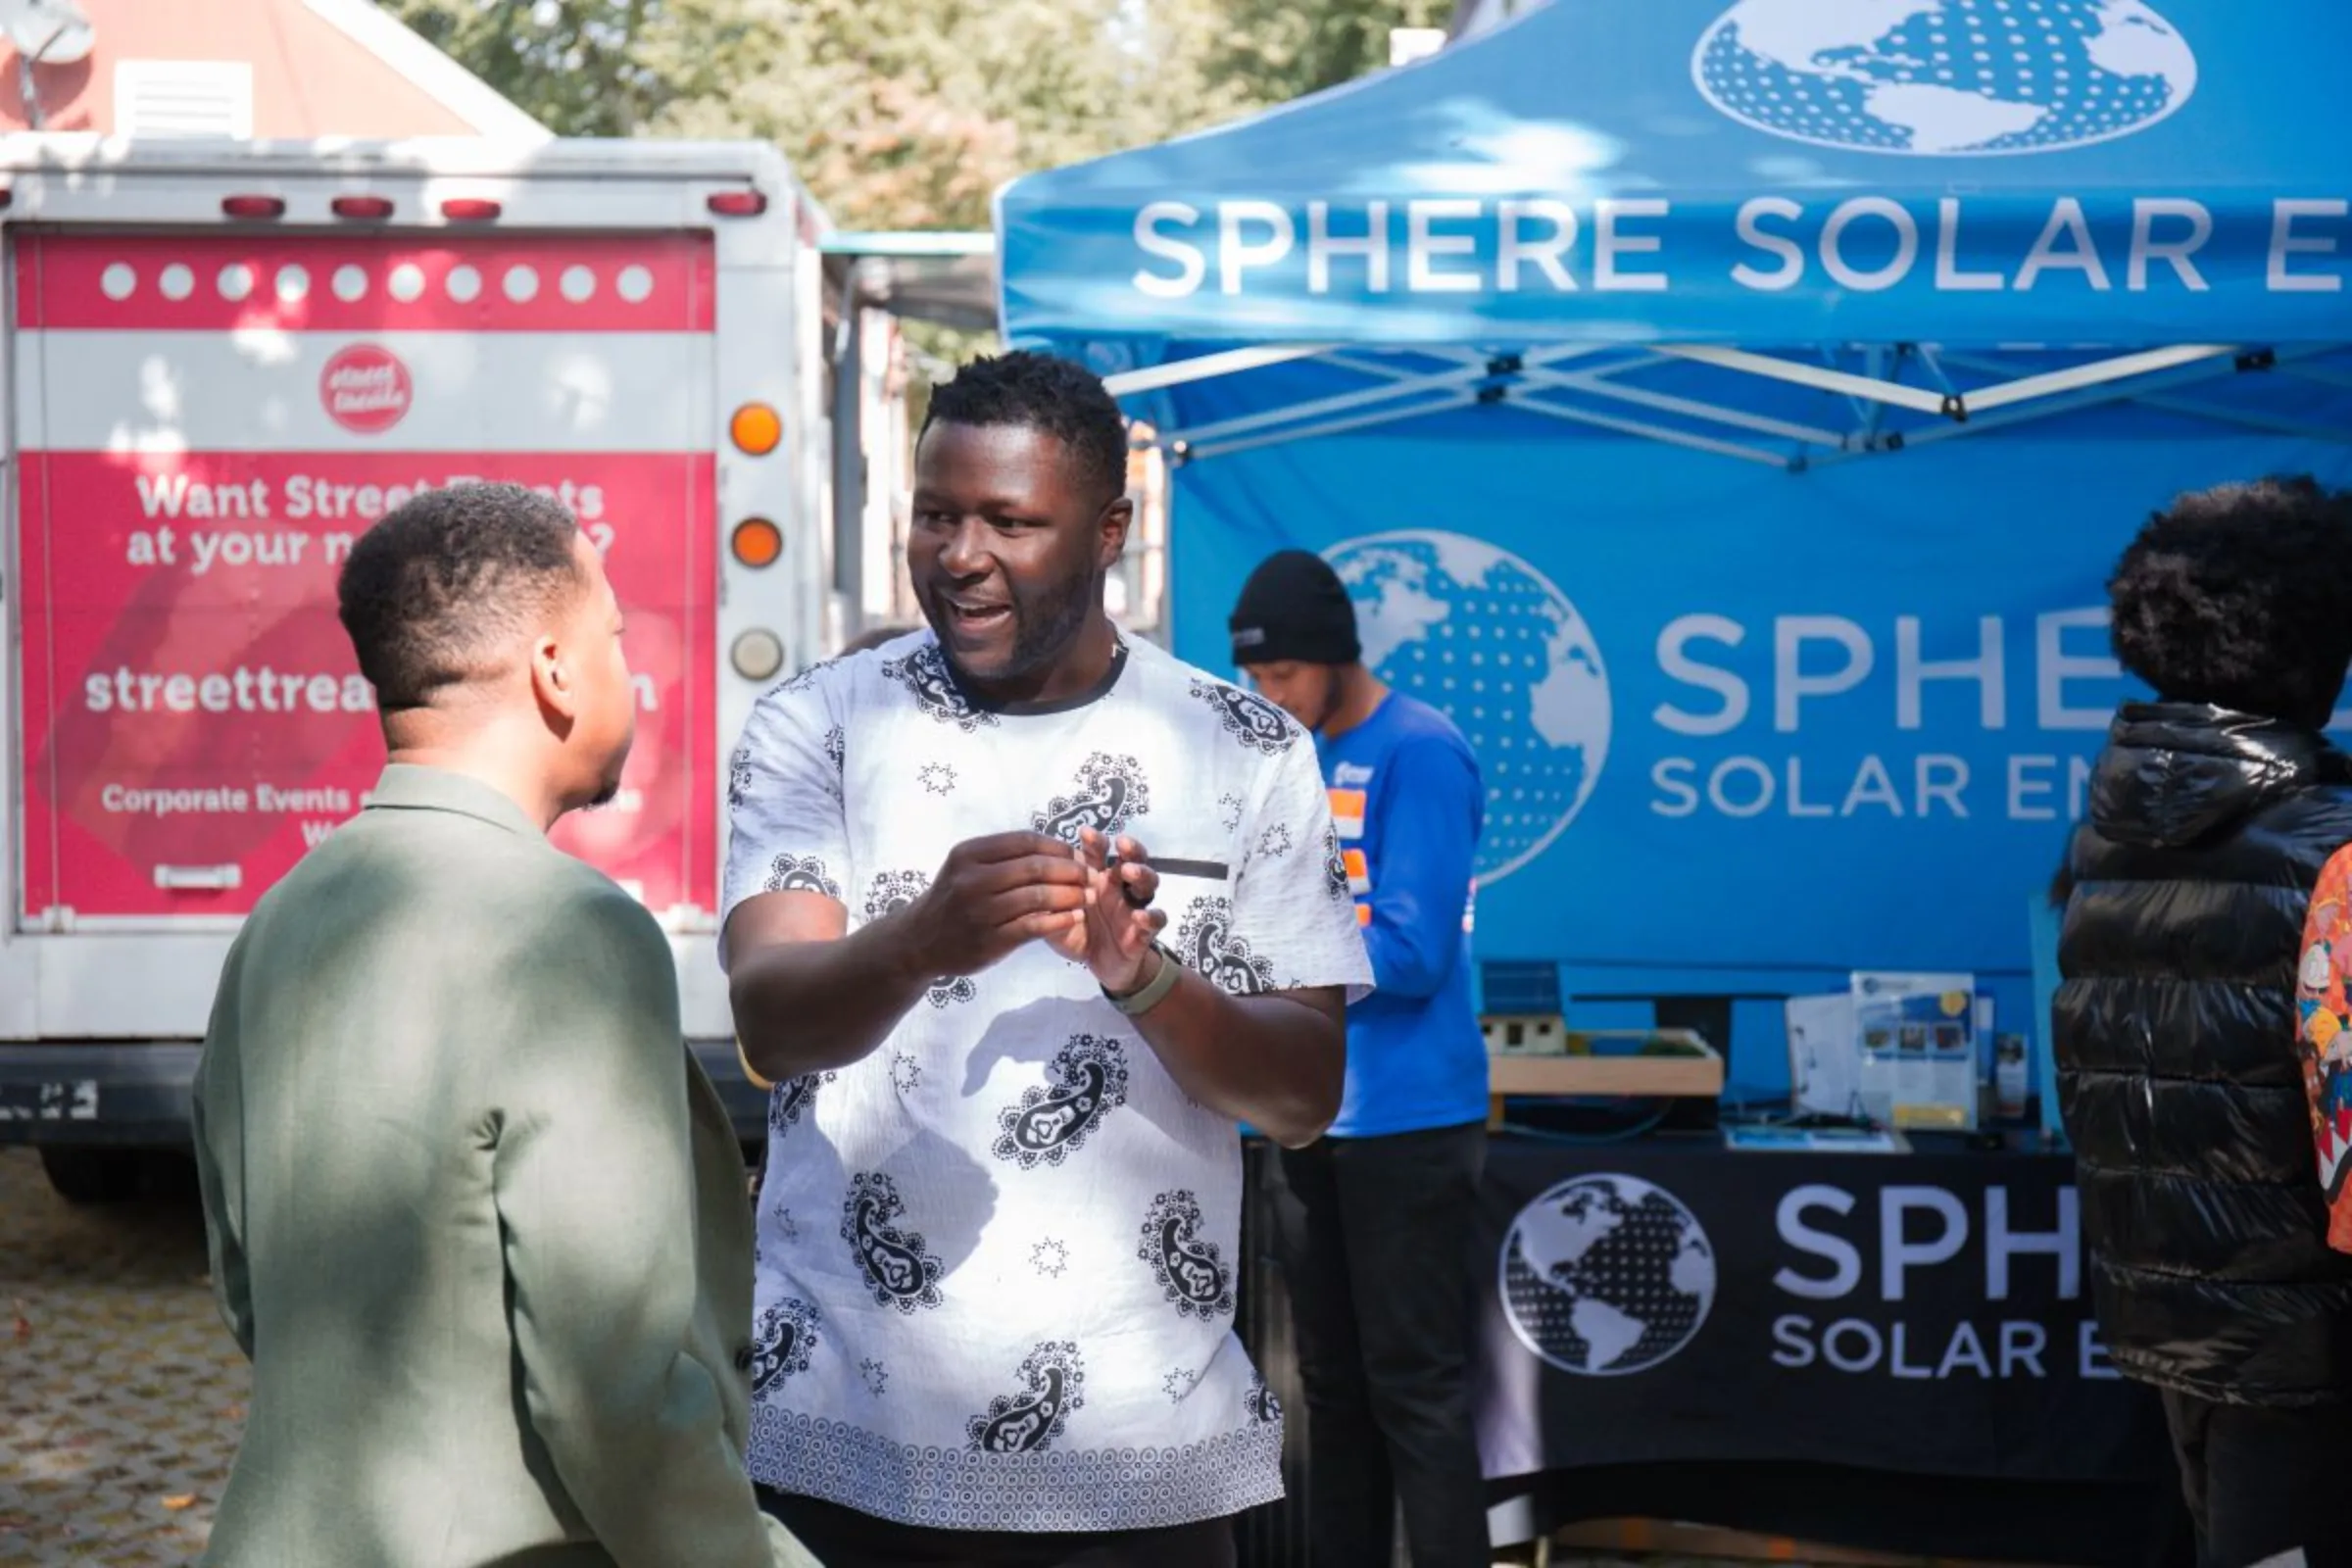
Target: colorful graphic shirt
997,1258
2325,1038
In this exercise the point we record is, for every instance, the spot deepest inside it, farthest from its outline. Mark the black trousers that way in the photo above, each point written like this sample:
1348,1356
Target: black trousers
1375,1238
2261,1481
844,1537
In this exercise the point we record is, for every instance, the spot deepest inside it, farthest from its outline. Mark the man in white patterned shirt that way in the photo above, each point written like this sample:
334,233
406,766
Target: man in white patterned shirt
999,1235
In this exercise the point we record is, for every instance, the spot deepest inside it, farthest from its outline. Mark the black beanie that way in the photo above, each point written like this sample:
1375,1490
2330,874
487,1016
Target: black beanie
1294,608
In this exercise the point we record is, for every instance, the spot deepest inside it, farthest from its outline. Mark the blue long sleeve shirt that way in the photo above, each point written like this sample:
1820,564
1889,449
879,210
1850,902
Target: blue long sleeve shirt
1406,795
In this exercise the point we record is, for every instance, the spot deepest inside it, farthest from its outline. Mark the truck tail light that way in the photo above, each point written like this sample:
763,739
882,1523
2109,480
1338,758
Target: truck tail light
367,208
469,209
5,195
757,542
738,203
756,655
253,206
756,429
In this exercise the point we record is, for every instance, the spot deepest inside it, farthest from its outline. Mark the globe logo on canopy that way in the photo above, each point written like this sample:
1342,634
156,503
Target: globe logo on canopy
1605,1275
1946,78
1483,636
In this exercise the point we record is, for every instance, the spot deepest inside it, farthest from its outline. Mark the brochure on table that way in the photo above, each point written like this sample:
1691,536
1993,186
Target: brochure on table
1895,1049
1823,1055
1918,1036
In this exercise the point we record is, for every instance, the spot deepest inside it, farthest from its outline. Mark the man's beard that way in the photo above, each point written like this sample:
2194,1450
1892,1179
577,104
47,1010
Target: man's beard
1312,716
1330,703
1044,627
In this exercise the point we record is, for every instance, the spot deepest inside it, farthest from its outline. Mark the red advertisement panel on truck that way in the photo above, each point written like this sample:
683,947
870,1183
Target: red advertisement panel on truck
210,420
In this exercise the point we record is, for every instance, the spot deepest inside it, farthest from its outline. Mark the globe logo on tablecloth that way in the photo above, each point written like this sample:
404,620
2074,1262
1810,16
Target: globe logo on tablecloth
1946,78
1487,639
1605,1275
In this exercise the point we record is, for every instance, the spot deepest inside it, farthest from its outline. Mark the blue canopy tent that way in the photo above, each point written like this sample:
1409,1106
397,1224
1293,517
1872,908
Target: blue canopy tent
1729,412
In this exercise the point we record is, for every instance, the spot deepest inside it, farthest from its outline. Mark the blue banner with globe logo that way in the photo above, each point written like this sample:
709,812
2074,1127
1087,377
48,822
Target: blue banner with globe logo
1740,731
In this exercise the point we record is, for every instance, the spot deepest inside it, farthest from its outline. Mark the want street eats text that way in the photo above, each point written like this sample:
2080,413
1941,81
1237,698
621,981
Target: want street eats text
305,496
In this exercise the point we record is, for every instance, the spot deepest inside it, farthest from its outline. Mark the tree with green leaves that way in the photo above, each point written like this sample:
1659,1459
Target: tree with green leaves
1277,50
575,66
910,114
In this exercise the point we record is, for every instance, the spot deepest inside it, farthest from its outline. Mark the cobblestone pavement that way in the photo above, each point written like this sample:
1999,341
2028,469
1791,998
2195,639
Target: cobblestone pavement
120,1394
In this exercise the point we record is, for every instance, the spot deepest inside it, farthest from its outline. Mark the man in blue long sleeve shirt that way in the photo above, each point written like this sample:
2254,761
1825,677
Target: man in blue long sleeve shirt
1374,1219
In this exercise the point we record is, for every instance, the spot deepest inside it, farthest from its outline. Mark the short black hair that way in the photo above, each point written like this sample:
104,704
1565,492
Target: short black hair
428,591
2242,597
1039,392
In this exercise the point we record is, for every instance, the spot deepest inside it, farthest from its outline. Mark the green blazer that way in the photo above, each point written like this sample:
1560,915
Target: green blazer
475,1216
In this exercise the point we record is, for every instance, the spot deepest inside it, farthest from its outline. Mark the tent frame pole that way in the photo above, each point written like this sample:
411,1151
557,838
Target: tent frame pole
1533,381
1154,379
2074,403
2099,372
1659,432
1536,377
1186,452
1400,384
2250,418
1602,383
1774,368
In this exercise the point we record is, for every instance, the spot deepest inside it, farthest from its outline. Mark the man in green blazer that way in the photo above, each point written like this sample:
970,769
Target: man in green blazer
475,1216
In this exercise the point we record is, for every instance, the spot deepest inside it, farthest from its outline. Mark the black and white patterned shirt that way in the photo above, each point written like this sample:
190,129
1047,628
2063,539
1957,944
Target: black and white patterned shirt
997,1257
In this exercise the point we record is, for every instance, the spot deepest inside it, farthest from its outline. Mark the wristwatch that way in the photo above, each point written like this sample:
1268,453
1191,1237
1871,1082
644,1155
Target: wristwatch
1155,990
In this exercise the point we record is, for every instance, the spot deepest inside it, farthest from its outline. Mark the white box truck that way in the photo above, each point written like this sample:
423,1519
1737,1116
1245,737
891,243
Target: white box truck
223,364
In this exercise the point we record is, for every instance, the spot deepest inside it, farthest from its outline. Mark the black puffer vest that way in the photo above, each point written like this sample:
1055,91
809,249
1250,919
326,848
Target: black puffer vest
2177,1072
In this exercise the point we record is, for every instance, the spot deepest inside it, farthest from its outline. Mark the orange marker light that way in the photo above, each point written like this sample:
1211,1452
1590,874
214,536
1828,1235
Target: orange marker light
756,429
757,542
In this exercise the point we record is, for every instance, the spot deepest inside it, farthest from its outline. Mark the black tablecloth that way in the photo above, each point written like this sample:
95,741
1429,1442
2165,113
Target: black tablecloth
1887,1351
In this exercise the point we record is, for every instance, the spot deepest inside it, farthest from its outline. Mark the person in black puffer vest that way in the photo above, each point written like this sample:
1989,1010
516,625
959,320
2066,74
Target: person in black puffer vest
2211,811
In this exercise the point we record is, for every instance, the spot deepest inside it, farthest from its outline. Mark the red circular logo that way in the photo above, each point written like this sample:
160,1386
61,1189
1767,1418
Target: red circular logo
366,388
